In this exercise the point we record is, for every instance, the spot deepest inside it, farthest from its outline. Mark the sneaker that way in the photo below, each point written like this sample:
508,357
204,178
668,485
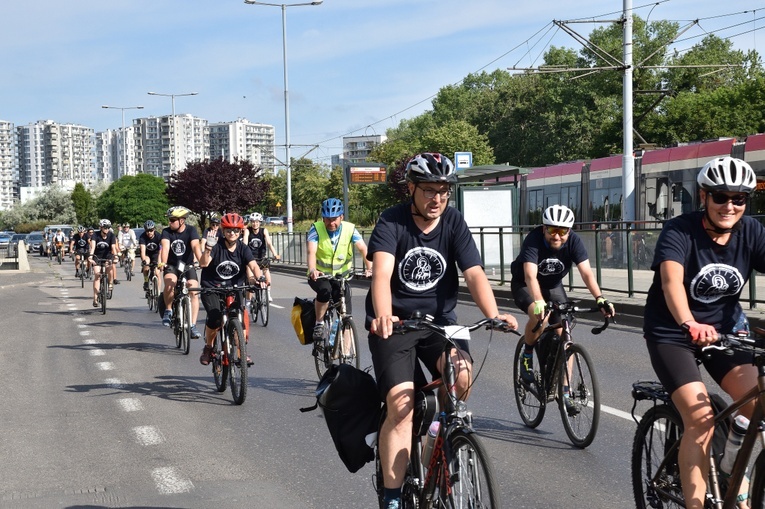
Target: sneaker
76,273
116,281
95,304
527,368
572,408
167,317
195,333
393,504
249,361
270,299
318,332
204,359
145,286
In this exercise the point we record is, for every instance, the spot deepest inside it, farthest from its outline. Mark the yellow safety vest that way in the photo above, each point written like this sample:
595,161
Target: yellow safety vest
331,260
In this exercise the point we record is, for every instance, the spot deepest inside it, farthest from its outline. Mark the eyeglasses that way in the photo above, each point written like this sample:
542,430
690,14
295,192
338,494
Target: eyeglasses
558,230
723,199
173,219
229,231
431,193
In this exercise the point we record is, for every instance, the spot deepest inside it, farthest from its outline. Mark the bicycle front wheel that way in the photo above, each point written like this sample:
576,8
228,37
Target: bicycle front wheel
580,406
237,360
219,362
757,488
185,324
529,396
104,291
322,351
657,437
347,344
263,298
472,474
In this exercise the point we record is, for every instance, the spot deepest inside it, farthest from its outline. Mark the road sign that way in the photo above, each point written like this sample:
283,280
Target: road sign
463,160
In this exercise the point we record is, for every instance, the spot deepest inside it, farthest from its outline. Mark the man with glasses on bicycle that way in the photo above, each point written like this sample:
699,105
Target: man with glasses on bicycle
259,240
546,257
180,243
417,248
329,247
103,245
224,264
702,261
149,244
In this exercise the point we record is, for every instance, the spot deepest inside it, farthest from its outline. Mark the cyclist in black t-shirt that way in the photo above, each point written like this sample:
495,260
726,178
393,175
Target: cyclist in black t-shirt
701,263
80,246
416,249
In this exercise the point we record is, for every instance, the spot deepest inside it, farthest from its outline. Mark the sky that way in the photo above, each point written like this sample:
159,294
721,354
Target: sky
355,67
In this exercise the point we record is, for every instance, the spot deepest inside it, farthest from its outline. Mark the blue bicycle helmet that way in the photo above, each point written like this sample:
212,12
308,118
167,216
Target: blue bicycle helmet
331,208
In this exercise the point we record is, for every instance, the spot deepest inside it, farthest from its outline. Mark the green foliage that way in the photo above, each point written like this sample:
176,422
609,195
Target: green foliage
309,189
53,205
133,199
84,205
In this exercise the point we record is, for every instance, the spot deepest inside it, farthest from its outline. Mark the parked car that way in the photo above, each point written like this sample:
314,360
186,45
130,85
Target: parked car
18,237
35,241
274,220
5,239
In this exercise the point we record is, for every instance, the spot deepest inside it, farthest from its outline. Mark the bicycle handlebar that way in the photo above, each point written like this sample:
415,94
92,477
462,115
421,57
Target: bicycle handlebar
570,308
426,323
347,275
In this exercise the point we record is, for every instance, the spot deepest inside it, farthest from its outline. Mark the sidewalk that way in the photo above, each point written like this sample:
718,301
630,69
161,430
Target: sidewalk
614,285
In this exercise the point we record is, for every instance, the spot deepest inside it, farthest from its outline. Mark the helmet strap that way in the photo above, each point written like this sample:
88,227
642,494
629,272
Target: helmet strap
710,226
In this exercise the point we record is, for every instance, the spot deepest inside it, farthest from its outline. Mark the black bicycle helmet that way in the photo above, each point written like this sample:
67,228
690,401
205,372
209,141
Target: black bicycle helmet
431,167
149,225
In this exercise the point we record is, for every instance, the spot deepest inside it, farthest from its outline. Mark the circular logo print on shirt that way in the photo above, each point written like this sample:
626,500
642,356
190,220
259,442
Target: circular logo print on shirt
227,270
102,245
715,281
255,243
178,247
550,267
151,246
421,268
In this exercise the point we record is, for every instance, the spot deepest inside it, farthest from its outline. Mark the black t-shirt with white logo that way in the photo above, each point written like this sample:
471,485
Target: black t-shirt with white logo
425,277
227,268
714,274
103,248
180,245
152,245
552,265
81,241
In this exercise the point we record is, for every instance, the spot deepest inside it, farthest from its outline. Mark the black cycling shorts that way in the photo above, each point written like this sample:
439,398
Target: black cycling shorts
675,363
395,358
523,298
191,272
214,308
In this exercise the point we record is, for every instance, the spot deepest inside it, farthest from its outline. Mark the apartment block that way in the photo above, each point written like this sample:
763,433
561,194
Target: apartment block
356,149
8,191
164,145
243,139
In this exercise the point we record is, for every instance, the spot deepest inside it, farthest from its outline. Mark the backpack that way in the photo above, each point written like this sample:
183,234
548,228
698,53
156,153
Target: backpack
352,409
303,320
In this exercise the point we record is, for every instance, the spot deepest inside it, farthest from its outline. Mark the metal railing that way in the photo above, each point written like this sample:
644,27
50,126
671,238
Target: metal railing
620,255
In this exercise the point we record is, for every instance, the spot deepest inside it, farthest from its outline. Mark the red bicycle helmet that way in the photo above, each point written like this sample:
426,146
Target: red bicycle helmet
232,221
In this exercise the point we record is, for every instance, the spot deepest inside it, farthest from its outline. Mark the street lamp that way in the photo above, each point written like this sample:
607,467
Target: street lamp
175,144
286,99
124,134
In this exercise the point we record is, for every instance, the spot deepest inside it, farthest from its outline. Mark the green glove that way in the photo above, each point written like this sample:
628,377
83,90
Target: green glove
539,307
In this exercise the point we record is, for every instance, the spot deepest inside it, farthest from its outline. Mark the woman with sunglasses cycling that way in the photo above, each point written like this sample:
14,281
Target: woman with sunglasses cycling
703,260
546,256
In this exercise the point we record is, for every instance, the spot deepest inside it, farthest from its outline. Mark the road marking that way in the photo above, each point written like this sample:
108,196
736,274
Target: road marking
148,435
616,412
105,366
97,352
130,404
81,325
276,306
79,319
89,341
84,333
169,481
114,383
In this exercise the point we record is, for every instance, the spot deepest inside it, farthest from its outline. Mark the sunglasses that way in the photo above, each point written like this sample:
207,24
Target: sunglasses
723,199
173,219
237,231
558,230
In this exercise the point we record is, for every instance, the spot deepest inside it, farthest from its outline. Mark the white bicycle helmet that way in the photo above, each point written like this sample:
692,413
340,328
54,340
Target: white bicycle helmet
727,174
431,167
256,216
105,223
558,215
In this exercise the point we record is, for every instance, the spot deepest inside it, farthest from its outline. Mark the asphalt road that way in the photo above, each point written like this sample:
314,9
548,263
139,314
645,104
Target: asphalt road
104,411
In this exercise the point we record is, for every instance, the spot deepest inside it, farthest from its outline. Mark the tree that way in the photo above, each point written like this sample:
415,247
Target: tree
134,199
84,205
218,187
309,188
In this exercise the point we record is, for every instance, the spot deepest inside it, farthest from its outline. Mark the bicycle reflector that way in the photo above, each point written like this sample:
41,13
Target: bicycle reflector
229,301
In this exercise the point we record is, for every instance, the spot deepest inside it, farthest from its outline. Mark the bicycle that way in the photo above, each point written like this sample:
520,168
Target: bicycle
85,272
60,252
229,358
340,343
152,294
561,364
458,472
104,292
655,470
259,300
181,306
127,266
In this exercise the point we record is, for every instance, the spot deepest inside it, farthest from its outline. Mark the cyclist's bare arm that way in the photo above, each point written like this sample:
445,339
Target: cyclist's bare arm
382,300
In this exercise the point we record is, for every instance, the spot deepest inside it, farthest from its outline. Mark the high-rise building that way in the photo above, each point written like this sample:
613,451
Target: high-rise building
164,145
50,153
356,149
115,153
243,139
8,175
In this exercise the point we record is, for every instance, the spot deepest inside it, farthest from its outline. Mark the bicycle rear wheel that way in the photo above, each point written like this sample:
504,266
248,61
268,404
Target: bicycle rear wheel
264,309
219,363
581,413
237,360
657,435
128,272
529,397
348,344
757,488
471,473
